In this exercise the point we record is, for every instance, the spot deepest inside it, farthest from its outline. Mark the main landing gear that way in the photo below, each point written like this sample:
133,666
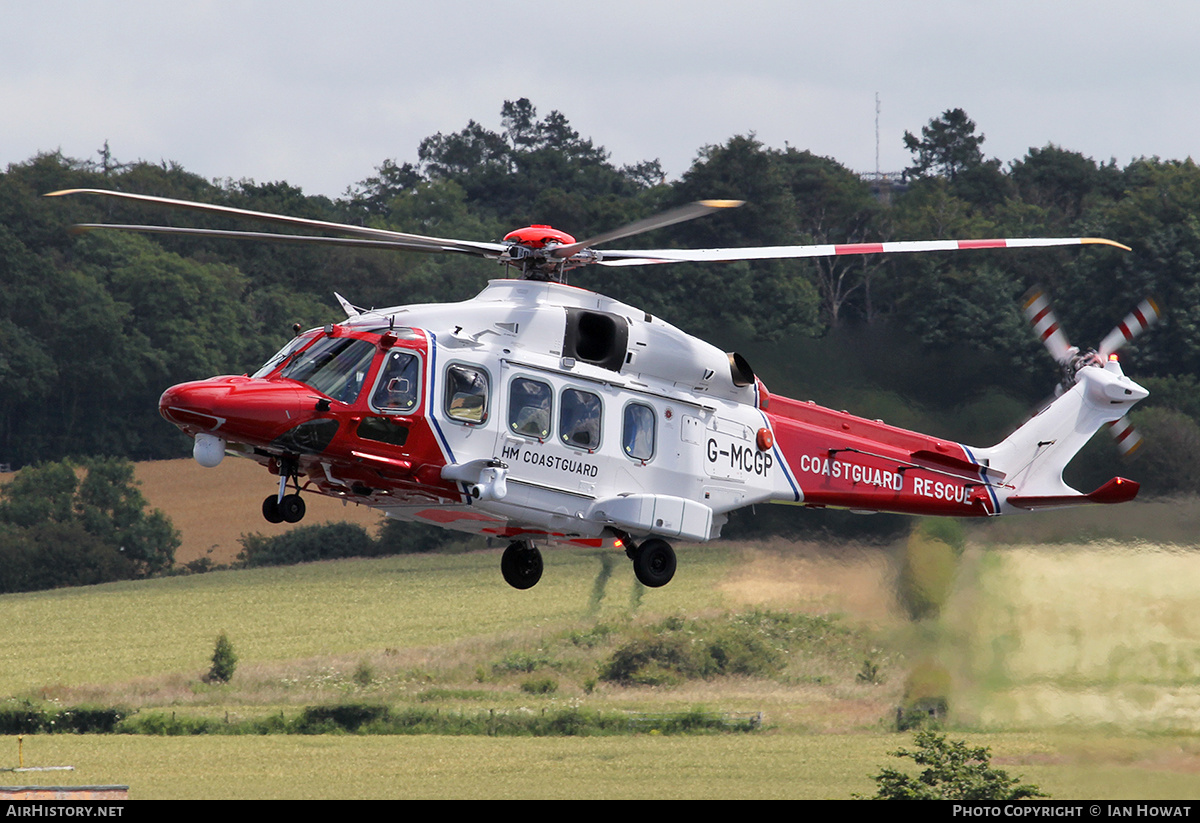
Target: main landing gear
521,565
285,508
653,561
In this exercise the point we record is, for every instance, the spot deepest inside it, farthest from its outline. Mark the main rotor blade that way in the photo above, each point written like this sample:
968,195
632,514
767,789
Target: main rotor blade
668,218
1137,321
316,240
641,257
442,244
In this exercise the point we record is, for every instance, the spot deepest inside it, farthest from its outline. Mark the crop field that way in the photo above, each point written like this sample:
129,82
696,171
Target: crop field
1077,663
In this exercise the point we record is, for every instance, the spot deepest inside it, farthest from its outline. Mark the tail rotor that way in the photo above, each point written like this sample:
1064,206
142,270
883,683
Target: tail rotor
1071,360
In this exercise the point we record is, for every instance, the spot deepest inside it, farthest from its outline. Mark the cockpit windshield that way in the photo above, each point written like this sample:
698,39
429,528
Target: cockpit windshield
293,346
336,366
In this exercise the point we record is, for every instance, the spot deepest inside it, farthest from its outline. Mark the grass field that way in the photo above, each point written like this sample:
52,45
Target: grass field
1078,664
770,766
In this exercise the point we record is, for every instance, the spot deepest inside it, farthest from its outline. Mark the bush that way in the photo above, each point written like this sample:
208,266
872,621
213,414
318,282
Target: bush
404,537
751,645
24,717
540,685
307,544
953,772
349,717
224,661
332,541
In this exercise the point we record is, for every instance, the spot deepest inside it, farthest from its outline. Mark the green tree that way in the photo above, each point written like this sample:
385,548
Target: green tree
73,531
953,771
224,661
948,146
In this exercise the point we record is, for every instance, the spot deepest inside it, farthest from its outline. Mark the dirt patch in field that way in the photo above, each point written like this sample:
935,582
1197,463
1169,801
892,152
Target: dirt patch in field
842,578
213,508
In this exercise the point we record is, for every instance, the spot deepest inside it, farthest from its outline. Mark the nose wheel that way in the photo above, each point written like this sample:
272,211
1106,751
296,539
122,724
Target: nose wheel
521,565
285,508
288,510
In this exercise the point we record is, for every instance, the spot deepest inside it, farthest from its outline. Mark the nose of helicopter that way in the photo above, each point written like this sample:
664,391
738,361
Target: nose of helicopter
241,408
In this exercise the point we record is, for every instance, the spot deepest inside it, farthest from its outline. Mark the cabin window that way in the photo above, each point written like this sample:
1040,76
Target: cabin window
396,391
334,366
466,394
637,432
580,422
530,405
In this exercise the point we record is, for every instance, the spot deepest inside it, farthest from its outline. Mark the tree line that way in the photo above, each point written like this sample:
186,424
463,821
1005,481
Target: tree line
94,327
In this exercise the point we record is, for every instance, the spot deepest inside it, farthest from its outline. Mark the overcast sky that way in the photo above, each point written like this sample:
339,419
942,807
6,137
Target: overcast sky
319,94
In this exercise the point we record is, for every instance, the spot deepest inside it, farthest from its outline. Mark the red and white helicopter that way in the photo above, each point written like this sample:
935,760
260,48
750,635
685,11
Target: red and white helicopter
545,414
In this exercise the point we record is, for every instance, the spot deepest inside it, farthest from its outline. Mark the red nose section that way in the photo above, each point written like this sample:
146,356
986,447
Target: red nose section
243,409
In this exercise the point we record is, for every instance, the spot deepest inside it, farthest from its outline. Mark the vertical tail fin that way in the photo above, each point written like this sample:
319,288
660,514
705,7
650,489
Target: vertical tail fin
1035,455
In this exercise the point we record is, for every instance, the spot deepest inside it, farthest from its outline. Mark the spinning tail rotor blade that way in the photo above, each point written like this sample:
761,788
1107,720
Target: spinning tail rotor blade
1137,321
1126,436
1045,325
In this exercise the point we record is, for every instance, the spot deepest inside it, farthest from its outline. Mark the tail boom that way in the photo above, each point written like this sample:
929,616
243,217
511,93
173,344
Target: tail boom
838,460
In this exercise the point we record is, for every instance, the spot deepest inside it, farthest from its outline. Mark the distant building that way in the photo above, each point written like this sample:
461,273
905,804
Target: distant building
885,183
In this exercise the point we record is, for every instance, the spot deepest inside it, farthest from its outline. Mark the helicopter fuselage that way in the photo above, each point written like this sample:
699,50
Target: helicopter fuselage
540,412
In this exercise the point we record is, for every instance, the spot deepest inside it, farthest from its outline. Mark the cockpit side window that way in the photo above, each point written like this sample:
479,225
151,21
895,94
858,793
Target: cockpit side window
579,424
397,389
335,366
466,393
530,406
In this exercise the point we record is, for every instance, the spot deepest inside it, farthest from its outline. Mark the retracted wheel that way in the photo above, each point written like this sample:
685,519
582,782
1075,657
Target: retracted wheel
291,508
270,509
521,565
654,563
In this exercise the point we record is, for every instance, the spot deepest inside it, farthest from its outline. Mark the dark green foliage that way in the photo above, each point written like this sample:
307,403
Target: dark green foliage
953,771
1169,457
522,662
539,685
757,644
224,661
948,146
23,717
58,529
348,717
403,537
306,544
332,541
360,718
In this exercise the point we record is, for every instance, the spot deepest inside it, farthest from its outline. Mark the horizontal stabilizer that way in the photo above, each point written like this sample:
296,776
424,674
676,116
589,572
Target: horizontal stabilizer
1117,490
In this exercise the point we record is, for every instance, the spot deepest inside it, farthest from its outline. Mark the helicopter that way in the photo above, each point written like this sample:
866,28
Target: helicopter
543,414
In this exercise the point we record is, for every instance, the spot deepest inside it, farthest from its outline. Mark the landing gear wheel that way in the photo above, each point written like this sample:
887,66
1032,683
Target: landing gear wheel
270,509
521,565
654,563
291,508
